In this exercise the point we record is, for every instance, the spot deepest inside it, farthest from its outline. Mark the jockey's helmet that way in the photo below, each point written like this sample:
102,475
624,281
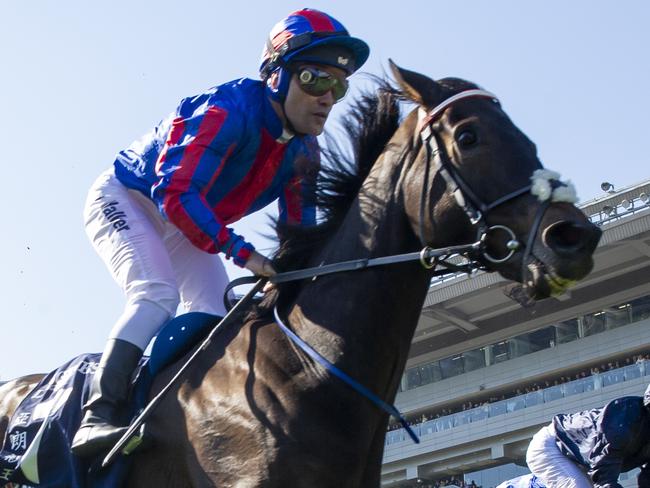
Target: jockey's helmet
310,36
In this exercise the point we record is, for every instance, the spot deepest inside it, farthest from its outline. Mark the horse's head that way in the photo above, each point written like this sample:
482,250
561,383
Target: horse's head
475,175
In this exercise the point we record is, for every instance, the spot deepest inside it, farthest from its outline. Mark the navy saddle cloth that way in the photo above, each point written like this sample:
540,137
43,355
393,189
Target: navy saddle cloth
36,448
525,481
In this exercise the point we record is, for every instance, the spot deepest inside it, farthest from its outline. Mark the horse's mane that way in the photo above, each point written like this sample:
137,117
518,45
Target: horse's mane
368,126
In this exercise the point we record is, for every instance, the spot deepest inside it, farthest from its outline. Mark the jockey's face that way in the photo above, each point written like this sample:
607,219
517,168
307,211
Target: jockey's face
307,112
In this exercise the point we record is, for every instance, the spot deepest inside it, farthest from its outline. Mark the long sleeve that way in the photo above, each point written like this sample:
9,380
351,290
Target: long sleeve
194,154
604,472
616,438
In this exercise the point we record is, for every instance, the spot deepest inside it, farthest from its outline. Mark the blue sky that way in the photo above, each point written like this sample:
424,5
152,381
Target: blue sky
80,80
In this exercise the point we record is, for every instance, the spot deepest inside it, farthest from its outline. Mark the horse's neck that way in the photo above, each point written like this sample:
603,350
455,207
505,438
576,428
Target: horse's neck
364,320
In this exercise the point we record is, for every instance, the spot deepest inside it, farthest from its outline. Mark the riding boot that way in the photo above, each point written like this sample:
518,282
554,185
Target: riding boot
100,429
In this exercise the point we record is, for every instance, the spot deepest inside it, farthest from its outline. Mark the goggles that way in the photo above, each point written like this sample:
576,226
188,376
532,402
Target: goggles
316,82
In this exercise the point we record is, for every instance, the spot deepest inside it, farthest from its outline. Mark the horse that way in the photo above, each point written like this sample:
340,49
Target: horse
254,409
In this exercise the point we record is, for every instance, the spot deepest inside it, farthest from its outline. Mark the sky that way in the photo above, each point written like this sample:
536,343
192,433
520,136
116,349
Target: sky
79,81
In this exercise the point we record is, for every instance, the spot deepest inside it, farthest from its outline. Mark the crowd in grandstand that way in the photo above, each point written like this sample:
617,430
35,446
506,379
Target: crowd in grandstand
450,483
610,365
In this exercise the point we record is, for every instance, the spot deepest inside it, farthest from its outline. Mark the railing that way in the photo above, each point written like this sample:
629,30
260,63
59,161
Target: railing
546,395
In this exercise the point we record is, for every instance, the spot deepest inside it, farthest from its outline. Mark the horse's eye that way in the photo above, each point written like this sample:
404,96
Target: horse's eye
466,138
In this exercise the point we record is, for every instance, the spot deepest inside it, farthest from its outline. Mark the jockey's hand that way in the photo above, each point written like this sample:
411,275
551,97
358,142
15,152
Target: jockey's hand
259,265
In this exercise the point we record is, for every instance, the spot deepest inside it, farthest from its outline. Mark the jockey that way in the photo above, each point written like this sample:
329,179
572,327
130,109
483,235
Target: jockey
592,448
159,215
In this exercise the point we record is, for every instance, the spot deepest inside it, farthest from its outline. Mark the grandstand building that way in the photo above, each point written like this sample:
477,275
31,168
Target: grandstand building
484,373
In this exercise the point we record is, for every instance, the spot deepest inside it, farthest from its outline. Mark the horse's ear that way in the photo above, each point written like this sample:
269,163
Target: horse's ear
419,88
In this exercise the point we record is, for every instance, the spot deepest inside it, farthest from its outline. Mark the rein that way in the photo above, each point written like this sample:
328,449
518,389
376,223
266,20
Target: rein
347,379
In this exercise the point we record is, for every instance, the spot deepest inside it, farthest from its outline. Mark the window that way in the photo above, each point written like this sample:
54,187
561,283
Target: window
640,308
611,377
534,398
617,316
574,387
433,371
474,359
452,366
552,393
560,333
594,323
413,378
532,342
499,352
633,371
497,408
567,331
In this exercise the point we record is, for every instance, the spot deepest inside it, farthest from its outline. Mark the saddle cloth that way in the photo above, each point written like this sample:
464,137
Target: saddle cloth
36,448
525,481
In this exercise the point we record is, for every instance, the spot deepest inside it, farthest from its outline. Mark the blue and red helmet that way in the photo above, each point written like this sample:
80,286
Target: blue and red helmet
311,36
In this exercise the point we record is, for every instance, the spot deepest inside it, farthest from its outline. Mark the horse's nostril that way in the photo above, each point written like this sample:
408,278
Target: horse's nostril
570,237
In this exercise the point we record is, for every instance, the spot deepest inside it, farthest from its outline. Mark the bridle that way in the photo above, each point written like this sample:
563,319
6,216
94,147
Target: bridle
437,260
474,208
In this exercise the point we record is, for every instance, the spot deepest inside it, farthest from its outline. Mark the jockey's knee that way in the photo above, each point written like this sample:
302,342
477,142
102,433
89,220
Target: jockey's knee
164,295
145,314
166,298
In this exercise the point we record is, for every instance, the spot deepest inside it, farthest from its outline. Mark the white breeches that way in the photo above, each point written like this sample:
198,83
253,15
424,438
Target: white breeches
156,266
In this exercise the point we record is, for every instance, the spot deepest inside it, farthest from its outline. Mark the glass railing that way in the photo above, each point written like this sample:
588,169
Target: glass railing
546,395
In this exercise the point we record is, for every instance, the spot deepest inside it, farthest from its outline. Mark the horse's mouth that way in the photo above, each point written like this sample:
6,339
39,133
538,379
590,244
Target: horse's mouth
544,282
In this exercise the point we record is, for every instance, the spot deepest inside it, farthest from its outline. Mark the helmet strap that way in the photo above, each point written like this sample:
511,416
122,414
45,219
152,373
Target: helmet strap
278,94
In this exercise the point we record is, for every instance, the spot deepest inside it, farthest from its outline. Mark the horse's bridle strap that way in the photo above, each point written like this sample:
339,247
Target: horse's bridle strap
442,106
472,205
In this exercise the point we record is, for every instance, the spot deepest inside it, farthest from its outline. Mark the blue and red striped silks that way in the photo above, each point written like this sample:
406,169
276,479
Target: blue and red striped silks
219,156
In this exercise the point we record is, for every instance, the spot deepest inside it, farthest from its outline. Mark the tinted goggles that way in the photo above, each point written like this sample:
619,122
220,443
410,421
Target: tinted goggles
316,82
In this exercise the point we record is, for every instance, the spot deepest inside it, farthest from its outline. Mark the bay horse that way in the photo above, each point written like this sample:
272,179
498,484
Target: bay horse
254,410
